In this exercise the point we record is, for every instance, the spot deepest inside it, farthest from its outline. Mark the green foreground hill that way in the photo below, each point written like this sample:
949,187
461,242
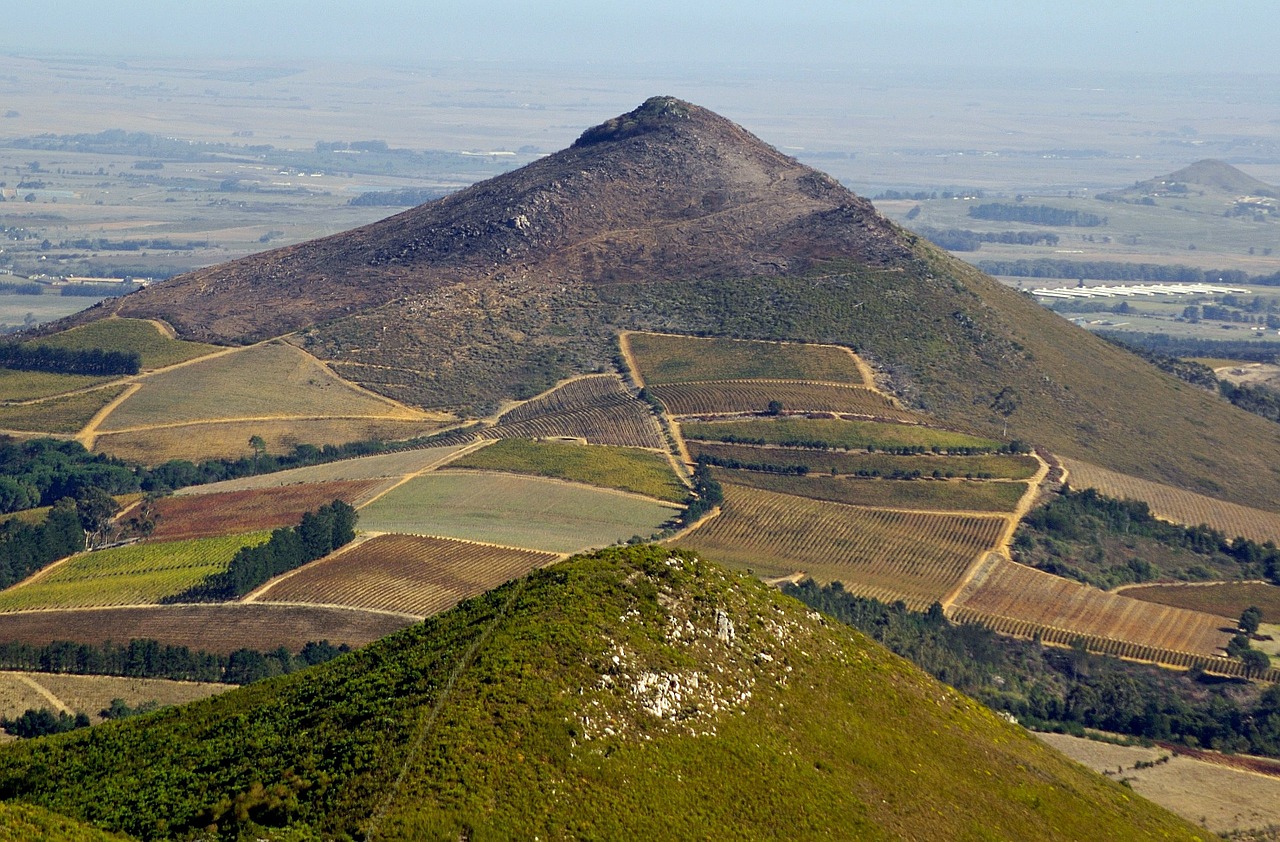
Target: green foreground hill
634,693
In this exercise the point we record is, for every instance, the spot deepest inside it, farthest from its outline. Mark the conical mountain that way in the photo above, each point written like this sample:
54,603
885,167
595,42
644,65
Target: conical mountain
638,694
1219,176
673,218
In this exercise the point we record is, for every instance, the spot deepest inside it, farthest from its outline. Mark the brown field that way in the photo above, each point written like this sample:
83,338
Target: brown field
405,573
597,408
1225,599
221,628
1176,505
198,516
663,358
1014,599
878,464
92,693
912,556
68,414
1221,798
231,439
922,494
377,467
728,397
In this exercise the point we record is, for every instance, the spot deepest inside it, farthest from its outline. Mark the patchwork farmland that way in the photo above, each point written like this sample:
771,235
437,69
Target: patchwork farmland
205,515
667,358
597,408
406,574
729,397
919,494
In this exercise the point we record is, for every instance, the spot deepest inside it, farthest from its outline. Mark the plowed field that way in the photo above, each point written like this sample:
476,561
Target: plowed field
201,515
913,556
596,408
214,628
406,573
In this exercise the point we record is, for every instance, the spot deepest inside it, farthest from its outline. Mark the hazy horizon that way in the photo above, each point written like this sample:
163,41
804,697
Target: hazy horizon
1147,36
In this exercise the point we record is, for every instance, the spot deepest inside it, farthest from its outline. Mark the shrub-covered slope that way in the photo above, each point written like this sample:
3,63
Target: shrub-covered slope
635,693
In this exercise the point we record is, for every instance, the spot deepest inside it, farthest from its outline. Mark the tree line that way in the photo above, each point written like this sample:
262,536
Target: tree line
1113,270
960,239
94,361
148,658
318,534
1036,215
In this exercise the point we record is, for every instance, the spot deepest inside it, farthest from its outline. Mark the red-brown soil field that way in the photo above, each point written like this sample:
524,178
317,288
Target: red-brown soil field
207,515
405,573
213,628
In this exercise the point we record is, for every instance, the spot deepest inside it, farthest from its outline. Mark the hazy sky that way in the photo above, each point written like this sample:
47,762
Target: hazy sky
1157,35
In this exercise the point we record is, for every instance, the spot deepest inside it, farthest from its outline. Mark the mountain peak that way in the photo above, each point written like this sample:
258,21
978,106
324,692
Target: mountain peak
654,113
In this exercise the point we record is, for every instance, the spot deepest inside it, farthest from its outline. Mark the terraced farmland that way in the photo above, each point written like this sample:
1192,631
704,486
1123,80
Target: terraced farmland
265,381
405,573
131,575
1225,599
664,358
230,439
1014,599
859,463
221,628
925,495
912,556
68,414
379,466
727,397
833,432
624,468
206,515
1176,505
597,408
155,347
515,511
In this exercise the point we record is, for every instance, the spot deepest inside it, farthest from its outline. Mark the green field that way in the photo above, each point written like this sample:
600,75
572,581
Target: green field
132,575
686,359
852,435
264,381
29,385
918,494
156,349
58,415
624,468
516,511
994,466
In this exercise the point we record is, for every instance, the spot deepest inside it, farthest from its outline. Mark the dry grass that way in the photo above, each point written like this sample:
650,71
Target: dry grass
381,466
231,439
92,693
406,573
1176,505
213,628
266,381
1225,599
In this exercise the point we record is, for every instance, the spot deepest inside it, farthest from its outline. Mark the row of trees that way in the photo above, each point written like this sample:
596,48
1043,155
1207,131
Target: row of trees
318,534
959,239
147,658
94,361
1036,215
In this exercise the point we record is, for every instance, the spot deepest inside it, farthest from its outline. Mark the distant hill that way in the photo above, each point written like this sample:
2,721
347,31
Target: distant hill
1213,175
638,693
672,218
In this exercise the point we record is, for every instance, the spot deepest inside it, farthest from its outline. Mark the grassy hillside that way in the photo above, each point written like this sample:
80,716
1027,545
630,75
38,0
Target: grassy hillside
635,693
156,348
